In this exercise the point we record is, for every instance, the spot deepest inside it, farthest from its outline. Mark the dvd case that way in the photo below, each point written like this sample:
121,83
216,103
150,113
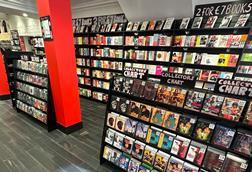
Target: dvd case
186,124
180,146
243,142
196,153
214,159
212,104
138,149
223,136
161,161
204,130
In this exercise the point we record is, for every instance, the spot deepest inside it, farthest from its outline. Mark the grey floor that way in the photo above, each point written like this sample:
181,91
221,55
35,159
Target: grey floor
25,146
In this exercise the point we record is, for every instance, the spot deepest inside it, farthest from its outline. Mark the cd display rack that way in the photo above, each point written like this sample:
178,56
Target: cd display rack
32,90
142,131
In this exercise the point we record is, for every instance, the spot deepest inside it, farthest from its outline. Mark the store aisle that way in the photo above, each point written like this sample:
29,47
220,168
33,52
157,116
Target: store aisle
25,146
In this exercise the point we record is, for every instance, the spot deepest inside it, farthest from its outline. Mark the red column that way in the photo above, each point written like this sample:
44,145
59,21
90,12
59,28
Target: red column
60,55
4,86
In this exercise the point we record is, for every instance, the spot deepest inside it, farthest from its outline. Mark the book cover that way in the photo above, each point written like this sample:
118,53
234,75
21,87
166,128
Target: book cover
153,136
184,23
120,123
110,136
186,124
243,142
134,165
144,25
159,25
124,161
161,160
168,23
194,100
214,159
123,105
211,21
111,119
234,163
197,22
152,24
175,164
180,146
171,120
118,141
141,131
204,130
190,168
136,26
212,104
138,149
223,136
130,127
248,115
137,87
177,57
150,90
145,112
157,116
129,26
232,109
226,21
166,140
134,109
127,144
149,155
242,20
127,84
196,153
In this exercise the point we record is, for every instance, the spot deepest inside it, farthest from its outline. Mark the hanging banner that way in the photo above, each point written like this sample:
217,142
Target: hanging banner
233,87
136,73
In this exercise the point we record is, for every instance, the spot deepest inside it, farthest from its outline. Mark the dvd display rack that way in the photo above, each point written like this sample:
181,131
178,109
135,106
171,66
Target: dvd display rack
32,90
155,127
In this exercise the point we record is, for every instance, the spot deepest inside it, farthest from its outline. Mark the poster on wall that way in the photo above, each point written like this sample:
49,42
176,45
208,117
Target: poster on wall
4,30
46,28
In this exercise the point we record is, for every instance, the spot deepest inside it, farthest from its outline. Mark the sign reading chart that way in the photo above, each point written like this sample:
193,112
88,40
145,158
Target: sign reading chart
135,73
183,80
223,9
234,87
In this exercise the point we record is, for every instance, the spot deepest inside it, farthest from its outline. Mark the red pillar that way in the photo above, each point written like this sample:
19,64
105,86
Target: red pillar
4,86
60,55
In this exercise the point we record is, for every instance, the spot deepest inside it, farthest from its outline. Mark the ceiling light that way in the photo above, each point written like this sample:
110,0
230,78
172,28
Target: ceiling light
25,14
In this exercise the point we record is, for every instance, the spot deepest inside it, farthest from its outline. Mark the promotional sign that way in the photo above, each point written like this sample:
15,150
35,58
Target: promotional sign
136,73
46,27
223,9
234,87
183,80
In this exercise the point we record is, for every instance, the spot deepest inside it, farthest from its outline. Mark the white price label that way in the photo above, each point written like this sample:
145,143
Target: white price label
211,126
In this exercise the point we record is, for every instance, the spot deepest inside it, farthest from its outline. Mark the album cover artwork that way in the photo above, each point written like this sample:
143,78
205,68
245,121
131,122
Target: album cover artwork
243,142
242,20
127,144
184,23
212,104
159,25
186,124
145,112
223,136
246,57
177,57
234,163
144,26
124,161
197,22
126,86
161,161
157,116
152,24
137,87
149,155
123,105
226,21
177,40
136,26
108,28
171,120
213,41
248,115
150,90
134,109
196,153
111,119
232,109
129,26
194,100
166,140
189,58
201,40
211,21
118,141
120,27
214,159
114,27
130,127
204,130
168,23
177,96
114,103
175,164
210,59
198,58
134,165
153,136
141,131
180,146
110,135
163,94
117,86
120,123
138,149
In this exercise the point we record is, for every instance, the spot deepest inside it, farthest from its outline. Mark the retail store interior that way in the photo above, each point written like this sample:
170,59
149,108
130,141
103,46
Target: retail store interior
125,86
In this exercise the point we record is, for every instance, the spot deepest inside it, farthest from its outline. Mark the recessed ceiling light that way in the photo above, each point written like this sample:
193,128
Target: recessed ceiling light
25,14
